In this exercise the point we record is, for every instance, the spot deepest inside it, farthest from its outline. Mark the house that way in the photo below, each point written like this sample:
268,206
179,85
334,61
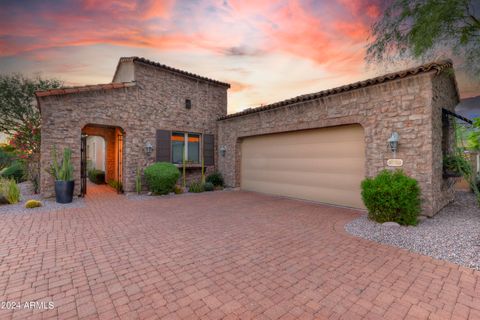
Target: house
315,147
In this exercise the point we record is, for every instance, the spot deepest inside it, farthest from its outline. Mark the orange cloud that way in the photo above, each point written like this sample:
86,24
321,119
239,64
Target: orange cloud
238,86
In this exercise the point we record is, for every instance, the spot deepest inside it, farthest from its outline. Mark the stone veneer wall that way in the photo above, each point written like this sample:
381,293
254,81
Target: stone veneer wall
410,106
156,102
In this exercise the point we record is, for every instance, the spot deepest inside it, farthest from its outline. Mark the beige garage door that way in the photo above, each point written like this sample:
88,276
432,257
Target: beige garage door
325,165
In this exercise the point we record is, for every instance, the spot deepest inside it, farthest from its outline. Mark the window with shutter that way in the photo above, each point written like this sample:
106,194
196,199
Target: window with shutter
208,149
163,146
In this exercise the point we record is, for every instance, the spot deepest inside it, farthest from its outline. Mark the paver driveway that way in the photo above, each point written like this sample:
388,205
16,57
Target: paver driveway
218,255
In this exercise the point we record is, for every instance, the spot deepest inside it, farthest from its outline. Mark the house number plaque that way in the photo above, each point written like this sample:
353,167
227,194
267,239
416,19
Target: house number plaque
394,162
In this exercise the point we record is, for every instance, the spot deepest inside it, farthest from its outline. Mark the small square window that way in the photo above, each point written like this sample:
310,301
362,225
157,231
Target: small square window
188,104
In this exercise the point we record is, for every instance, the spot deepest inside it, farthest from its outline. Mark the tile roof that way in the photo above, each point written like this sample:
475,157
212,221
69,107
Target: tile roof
68,90
174,70
438,66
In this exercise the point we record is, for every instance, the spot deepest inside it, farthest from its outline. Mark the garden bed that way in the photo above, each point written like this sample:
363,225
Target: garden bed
47,204
452,234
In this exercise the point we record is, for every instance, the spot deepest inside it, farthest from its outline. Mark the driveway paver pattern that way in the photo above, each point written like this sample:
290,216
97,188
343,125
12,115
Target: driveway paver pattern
221,255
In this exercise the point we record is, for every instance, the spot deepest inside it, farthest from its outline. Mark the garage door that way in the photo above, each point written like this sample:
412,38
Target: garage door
325,165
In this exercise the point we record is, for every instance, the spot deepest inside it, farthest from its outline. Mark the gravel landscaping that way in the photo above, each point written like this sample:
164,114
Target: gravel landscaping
453,234
47,204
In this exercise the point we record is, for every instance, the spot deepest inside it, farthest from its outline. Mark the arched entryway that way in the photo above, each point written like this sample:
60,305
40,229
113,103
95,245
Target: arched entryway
113,154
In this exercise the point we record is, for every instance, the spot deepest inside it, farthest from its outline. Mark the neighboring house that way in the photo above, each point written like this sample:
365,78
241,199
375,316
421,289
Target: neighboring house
317,147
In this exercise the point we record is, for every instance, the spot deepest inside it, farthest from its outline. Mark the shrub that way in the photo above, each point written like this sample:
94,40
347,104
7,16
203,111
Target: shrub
6,158
9,190
161,177
16,171
392,196
208,186
33,204
457,164
115,184
178,189
215,178
196,187
96,176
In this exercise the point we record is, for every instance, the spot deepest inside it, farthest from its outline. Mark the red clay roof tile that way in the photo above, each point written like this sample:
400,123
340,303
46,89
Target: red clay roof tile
438,66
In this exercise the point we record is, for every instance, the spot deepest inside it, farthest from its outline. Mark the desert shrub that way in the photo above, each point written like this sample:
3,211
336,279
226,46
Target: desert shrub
33,204
208,186
15,171
392,196
115,184
96,176
161,177
215,178
9,190
196,187
6,158
177,189
457,164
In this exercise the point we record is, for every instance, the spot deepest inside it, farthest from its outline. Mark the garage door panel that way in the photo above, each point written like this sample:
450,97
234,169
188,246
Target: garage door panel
325,165
311,179
327,150
347,165
341,196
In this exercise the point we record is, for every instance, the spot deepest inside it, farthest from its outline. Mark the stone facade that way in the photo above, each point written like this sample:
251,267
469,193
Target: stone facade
410,105
156,100
146,97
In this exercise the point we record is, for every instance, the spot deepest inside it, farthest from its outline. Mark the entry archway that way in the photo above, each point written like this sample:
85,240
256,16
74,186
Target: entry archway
113,137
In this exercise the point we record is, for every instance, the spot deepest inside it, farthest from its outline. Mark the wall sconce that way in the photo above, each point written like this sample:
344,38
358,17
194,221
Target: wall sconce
393,142
148,148
223,151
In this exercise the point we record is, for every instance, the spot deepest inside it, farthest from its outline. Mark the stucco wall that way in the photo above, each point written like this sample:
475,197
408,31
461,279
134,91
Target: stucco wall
156,102
403,105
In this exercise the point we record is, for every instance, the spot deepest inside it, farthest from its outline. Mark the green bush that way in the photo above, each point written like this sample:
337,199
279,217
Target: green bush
161,177
9,190
215,178
196,187
33,204
208,186
96,176
16,171
392,196
457,164
6,158
115,184
177,189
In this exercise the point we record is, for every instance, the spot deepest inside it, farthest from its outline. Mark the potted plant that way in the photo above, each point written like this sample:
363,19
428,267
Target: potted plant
455,166
63,175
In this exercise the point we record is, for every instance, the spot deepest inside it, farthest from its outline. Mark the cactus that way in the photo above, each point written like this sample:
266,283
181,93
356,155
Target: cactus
65,171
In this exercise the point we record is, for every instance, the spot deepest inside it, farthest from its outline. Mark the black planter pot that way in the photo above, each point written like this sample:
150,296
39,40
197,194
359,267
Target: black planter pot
451,174
64,191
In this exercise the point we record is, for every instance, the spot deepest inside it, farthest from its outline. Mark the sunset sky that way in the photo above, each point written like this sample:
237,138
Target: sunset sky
268,50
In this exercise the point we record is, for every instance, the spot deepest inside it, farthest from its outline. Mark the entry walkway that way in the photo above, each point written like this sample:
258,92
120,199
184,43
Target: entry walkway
217,255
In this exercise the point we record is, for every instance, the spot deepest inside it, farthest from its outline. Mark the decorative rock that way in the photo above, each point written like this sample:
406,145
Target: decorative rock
390,224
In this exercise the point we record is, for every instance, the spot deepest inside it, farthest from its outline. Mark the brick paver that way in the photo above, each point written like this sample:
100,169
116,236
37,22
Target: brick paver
222,255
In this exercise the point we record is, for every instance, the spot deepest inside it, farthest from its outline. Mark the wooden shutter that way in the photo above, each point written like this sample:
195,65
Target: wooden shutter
163,146
208,149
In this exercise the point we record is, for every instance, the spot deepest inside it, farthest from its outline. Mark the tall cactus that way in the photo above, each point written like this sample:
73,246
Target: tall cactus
65,171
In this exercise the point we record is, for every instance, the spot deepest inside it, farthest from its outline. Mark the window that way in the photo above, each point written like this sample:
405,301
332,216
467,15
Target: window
188,143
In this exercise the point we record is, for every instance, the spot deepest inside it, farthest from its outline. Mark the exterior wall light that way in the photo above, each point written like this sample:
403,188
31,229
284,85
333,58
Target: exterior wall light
148,148
393,142
223,151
